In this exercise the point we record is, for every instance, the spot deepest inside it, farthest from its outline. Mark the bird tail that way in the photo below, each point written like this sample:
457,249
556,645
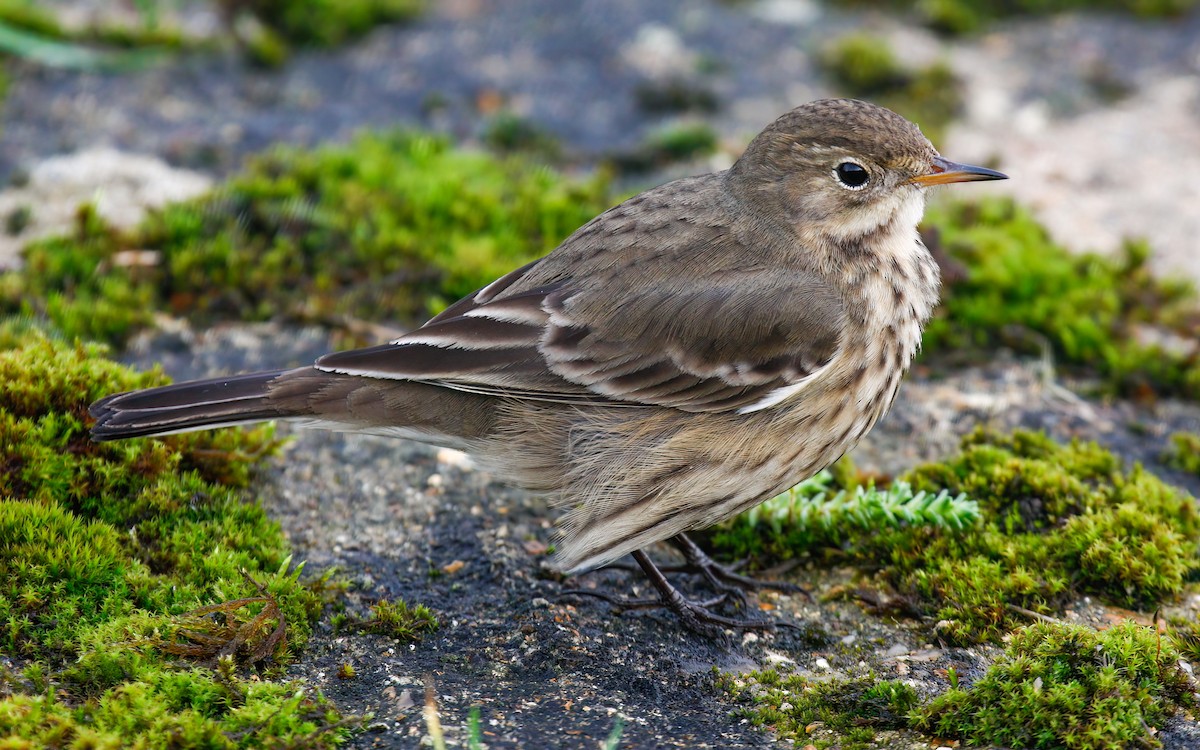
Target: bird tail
183,407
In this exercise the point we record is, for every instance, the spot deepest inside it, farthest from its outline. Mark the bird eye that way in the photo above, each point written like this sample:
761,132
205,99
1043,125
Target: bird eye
851,175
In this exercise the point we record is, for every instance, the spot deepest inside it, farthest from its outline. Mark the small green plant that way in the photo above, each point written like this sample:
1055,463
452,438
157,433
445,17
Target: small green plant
613,741
1183,452
474,730
863,65
807,516
399,620
1067,686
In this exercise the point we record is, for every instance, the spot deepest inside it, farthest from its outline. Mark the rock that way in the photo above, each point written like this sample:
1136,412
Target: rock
123,186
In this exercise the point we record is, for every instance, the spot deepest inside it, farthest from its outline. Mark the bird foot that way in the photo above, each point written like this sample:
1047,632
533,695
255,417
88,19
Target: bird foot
725,578
697,616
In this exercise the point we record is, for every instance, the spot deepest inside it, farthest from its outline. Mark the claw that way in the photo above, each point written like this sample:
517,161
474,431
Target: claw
725,578
697,616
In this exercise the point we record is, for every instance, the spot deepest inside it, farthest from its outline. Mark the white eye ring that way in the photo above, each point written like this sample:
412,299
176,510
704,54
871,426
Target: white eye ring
851,175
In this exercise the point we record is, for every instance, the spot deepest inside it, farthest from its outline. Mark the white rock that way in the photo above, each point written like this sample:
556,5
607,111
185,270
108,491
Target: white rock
121,185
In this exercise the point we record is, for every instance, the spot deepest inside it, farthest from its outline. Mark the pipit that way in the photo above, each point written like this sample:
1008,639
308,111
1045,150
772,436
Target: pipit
683,356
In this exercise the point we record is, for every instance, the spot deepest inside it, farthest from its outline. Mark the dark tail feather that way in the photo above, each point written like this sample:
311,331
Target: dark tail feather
182,407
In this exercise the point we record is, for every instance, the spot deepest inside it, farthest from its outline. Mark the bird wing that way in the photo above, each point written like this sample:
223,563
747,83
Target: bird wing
734,340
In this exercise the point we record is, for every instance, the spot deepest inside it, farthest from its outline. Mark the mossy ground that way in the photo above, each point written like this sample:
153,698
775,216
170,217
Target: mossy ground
388,229
1184,452
863,65
1054,686
846,713
1016,287
141,585
1055,522
966,16
267,29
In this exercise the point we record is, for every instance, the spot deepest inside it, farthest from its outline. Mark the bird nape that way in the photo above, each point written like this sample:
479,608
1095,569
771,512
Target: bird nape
680,358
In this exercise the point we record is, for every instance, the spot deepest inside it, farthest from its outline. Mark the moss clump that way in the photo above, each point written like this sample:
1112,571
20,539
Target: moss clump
509,133
398,620
1066,686
675,95
965,16
1055,686
1022,289
1058,521
389,228
848,712
323,23
1184,452
114,554
671,143
864,65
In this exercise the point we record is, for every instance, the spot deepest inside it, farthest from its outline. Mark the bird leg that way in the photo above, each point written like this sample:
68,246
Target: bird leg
698,616
695,616
725,578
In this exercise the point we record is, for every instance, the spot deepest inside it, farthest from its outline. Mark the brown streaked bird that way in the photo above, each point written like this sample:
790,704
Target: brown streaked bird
682,357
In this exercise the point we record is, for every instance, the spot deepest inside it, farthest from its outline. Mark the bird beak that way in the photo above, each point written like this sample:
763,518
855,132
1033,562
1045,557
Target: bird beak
945,171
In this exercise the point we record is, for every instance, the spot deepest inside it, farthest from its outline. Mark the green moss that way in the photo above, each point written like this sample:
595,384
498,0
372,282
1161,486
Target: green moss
1021,289
1059,521
1055,686
965,16
325,23
509,133
675,95
1065,686
671,143
118,556
847,712
1184,452
389,228
1045,523
863,65
32,22
684,141
399,620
